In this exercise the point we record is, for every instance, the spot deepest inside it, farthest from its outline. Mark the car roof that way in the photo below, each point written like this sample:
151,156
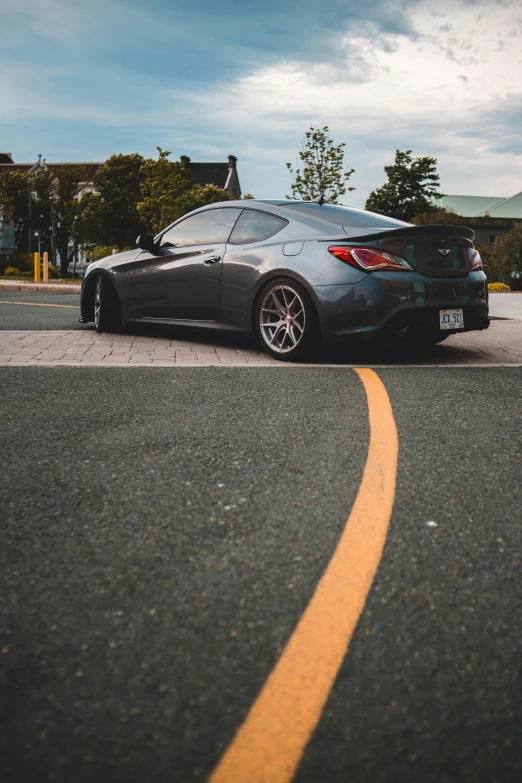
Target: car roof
312,213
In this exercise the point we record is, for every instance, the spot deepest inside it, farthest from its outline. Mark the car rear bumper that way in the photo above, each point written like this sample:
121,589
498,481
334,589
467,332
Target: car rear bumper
385,302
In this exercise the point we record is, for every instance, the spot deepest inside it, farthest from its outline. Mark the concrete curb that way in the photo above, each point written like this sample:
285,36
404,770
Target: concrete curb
18,285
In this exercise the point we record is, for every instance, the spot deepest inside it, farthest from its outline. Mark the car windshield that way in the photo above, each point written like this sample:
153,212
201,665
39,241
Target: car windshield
346,216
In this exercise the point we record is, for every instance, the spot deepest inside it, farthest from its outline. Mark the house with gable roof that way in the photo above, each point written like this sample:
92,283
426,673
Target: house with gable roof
490,217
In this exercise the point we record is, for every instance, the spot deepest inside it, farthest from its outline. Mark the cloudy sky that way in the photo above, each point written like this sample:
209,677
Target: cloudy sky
82,79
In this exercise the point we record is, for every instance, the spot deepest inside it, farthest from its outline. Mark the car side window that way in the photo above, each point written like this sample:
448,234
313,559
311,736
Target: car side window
254,226
212,225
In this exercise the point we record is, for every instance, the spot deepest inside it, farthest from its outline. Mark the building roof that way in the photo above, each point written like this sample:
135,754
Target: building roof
205,173
484,206
469,206
224,175
509,208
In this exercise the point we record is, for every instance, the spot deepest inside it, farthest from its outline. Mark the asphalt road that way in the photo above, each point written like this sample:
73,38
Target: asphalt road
24,317
28,316
163,531
19,311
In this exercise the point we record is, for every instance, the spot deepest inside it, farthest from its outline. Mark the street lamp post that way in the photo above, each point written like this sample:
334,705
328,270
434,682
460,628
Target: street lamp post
37,235
53,229
29,234
54,223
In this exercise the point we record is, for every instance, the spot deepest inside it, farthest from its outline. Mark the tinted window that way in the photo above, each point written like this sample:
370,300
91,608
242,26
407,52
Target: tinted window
213,225
345,216
253,226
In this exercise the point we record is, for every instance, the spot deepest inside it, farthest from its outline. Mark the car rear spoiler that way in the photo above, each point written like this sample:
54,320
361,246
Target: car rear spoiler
456,231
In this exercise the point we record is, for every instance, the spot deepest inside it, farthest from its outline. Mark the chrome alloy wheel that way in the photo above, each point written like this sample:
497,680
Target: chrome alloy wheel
97,304
282,319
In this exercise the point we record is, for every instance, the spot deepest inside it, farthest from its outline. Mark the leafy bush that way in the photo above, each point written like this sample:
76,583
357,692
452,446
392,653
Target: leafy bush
28,274
22,261
101,251
505,264
12,271
498,288
438,216
54,272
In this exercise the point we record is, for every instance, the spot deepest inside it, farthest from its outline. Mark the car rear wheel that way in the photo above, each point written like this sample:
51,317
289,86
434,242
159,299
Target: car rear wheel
107,311
285,320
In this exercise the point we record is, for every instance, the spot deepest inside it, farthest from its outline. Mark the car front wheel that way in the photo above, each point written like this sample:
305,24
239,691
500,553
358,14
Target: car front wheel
107,312
285,320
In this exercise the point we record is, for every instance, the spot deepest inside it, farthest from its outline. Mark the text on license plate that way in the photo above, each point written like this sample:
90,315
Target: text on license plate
451,319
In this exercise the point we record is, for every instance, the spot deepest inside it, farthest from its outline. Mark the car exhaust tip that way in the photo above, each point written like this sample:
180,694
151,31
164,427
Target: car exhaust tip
406,333
484,324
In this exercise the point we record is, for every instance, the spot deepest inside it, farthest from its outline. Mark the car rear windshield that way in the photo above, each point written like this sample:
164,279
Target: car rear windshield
346,216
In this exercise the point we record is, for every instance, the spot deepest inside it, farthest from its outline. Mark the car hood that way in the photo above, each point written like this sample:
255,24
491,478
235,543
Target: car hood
113,261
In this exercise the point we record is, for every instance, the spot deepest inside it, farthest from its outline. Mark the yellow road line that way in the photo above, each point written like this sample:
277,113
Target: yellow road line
269,745
40,304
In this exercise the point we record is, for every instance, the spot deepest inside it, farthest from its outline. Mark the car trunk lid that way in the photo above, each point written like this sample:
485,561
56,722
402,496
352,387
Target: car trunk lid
434,251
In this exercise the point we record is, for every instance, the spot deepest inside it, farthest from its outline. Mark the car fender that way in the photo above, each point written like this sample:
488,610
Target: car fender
88,291
290,274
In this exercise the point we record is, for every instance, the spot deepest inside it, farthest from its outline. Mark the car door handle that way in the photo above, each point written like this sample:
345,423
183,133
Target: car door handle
211,260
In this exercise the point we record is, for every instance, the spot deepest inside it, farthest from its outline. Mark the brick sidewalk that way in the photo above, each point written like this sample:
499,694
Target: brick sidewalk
500,345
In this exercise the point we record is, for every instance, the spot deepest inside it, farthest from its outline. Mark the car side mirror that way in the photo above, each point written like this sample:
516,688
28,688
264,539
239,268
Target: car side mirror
146,242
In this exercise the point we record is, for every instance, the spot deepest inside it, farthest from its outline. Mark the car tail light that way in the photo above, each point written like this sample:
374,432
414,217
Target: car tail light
369,259
475,261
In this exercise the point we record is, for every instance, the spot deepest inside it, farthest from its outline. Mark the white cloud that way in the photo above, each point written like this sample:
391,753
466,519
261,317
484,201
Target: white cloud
451,89
447,92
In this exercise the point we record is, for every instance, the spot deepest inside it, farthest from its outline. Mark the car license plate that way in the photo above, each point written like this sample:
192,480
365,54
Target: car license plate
451,319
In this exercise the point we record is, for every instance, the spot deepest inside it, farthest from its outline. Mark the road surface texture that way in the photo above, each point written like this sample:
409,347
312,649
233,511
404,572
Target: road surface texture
163,530
170,502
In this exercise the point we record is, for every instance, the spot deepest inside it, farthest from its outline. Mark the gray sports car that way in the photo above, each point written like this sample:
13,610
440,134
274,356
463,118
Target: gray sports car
294,273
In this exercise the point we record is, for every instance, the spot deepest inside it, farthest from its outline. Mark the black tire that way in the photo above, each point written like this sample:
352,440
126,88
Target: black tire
107,310
296,331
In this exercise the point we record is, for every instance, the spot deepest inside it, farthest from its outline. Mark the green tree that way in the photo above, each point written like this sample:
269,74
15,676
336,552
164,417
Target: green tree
437,216
164,183
322,168
16,200
197,196
101,251
38,202
503,261
58,202
93,221
412,185
167,193
112,215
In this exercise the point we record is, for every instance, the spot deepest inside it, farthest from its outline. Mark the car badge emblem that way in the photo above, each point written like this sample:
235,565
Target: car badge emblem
444,251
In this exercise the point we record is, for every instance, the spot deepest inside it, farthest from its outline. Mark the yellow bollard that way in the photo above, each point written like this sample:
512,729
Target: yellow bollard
37,267
46,268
